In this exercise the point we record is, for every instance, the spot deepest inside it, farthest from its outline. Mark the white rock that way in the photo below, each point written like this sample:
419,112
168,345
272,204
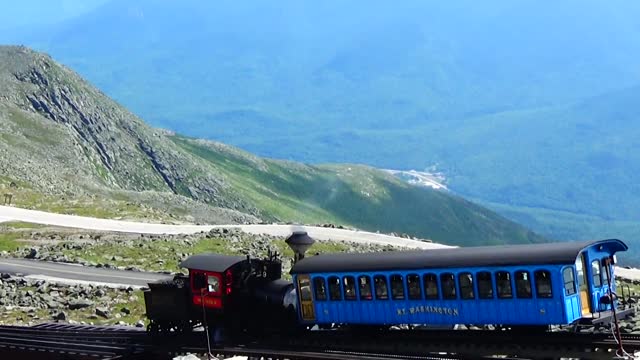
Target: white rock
187,357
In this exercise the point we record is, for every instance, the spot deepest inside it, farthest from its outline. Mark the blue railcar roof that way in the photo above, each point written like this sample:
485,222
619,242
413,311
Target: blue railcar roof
528,254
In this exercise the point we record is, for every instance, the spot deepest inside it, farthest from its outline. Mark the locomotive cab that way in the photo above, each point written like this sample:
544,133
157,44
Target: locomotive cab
212,279
220,291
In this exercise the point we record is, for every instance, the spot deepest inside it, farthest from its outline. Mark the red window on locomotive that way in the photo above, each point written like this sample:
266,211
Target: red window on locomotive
208,287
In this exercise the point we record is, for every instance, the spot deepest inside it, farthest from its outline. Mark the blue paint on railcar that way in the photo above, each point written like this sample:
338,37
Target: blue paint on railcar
514,310
555,294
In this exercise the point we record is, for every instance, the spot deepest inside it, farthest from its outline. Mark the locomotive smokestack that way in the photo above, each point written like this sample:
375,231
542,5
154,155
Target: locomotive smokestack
299,242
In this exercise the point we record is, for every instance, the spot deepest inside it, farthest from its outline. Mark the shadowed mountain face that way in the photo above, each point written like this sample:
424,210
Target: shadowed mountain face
60,136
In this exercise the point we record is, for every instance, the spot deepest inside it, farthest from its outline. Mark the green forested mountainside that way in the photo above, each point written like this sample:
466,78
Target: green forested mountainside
520,104
354,194
580,158
68,146
567,225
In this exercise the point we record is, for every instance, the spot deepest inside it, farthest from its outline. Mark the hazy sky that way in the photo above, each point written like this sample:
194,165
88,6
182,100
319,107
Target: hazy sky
17,13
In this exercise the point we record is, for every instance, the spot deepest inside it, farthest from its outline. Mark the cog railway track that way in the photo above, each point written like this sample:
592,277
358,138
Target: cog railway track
104,342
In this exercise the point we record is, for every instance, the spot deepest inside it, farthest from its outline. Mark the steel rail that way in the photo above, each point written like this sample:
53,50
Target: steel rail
73,342
466,343
312,355
52,345
414,344
76,335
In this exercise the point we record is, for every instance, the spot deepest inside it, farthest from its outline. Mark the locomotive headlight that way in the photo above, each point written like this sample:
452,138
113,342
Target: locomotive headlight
213,284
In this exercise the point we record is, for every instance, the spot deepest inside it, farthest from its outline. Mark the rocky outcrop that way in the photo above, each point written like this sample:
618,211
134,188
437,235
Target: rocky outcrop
91,136
28,301
163,253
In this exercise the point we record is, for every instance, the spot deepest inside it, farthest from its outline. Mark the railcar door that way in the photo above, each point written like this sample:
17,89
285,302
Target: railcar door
583,285
306,299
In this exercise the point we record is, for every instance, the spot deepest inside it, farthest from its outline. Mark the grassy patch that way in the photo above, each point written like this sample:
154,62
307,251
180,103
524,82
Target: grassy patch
133,302
141,254
277,191
34,130
103,206
628,286
22,225
8,241
212,245
166,254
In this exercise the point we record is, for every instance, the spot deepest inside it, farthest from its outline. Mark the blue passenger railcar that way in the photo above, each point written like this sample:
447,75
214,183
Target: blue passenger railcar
533,284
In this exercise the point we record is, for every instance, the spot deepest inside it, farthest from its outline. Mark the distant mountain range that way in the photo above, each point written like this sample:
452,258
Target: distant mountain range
69,148
530,108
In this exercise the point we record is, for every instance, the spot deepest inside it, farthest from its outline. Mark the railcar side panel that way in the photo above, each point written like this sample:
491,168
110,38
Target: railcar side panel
551,308
368,312
515,310
525,294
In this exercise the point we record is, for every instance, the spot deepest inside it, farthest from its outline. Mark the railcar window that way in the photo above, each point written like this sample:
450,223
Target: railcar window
334,288
603,272
485,285
213,284
349,287
595,272
380,283
543,284
503,282
413,285
569,281
320,288
466,285
448,282
365,287
523,284
305,289
580,268
431,286
397,287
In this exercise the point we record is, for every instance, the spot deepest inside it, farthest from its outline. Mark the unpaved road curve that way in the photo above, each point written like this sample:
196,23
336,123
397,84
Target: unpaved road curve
72,274
8,213
633,274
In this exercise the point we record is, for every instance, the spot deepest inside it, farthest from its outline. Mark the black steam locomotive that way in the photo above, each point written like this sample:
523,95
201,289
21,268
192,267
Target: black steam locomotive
235,293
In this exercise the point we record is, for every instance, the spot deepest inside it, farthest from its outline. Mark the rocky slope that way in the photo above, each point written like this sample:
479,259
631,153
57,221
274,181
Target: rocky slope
66,142
98,142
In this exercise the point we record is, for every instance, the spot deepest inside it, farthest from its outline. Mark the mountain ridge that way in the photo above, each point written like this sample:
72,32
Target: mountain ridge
77,142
